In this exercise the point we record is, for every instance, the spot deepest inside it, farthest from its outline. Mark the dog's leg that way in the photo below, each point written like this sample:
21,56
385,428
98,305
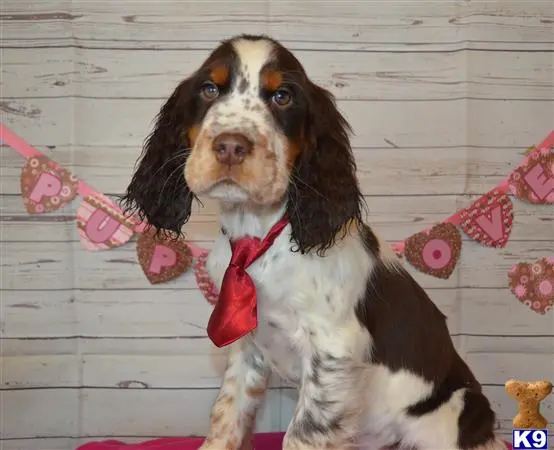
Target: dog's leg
330,404
234,411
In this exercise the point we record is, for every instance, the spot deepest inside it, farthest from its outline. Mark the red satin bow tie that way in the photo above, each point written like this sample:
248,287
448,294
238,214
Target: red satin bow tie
235,313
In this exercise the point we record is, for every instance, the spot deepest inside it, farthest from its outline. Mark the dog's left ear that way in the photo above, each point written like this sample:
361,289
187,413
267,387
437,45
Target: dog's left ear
158,191
324,196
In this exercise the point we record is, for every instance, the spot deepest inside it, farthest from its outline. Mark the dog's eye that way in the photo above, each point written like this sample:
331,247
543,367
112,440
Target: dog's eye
282,97
209,91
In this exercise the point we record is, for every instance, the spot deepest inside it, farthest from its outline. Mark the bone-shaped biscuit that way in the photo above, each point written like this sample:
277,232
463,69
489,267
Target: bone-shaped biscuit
529,396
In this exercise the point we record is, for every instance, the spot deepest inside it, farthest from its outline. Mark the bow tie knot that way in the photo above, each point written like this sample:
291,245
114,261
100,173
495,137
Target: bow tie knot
235,313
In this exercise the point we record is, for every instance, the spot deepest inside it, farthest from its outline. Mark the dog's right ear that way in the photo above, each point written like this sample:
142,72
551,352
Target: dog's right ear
158,191
326,196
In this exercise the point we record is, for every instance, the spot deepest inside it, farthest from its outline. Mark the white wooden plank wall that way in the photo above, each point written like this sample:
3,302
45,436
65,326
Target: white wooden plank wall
444,97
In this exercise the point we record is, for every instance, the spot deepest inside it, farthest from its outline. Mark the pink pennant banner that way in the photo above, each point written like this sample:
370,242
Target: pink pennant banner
100,225
47,187
436,251
161,257
533,181
489,219
533,284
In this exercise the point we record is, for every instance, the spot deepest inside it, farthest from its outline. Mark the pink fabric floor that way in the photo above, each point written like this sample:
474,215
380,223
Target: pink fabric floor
262,441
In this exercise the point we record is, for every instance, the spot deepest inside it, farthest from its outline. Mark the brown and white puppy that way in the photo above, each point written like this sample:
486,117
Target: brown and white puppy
338,315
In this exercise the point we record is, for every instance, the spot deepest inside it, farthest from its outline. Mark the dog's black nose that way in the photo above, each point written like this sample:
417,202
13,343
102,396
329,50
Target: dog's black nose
231,148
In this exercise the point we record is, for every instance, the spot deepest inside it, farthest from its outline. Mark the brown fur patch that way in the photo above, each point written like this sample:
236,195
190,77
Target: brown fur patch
272,79
256,391
192,134
220,75
293,150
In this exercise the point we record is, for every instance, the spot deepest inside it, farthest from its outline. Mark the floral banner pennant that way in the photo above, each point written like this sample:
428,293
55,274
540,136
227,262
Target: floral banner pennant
45,186
435,252
533,284
533,181
161,257
489,219
101,226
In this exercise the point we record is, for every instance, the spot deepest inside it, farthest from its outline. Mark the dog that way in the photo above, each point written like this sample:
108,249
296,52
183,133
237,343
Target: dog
337,314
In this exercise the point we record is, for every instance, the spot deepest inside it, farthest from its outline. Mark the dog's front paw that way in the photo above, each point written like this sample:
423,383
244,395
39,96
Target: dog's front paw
295,444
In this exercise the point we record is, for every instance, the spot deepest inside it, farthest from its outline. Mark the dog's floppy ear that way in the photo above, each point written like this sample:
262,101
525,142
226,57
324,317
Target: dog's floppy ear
324,196
158,191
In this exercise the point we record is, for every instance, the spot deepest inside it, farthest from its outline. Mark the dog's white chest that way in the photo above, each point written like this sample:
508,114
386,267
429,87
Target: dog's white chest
283,319
298,296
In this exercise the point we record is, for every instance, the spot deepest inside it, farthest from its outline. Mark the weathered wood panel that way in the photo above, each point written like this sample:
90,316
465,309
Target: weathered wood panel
100,73
105,345
494,368
355,26
44,413
174,312
169,312
178,412
487,123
